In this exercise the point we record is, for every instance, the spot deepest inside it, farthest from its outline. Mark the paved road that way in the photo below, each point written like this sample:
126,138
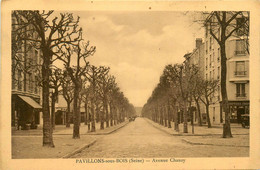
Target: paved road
141,139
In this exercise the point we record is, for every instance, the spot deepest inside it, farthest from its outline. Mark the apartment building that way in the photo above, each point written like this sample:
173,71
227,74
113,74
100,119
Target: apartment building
196,57
237,82
25,88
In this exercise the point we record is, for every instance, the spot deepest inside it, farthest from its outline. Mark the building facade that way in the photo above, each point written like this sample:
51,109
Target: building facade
196,57
237,81
26,92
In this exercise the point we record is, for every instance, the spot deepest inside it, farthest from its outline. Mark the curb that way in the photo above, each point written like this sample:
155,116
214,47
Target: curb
107,133
94,133
79,150
197,143
188,134
160,128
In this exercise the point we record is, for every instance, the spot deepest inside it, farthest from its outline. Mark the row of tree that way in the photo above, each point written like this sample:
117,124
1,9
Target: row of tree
171,100
57,38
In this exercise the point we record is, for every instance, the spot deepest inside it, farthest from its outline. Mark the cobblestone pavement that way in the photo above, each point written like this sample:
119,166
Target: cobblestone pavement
141,139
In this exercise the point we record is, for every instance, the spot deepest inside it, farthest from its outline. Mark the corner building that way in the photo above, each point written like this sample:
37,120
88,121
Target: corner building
237,82
26,92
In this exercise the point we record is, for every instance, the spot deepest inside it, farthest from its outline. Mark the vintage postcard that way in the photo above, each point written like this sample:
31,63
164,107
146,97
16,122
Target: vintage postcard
130,85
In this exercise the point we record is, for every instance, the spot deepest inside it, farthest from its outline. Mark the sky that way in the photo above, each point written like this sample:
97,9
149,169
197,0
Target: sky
137,45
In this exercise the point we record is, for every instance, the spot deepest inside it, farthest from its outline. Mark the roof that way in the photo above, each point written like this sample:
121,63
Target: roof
31,102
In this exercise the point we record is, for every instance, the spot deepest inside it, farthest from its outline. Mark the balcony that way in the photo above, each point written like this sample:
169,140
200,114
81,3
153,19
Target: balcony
240,52
240,94
240,73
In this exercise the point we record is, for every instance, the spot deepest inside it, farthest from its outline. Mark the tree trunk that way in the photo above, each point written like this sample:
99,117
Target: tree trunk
226,127
101,113
86,113
93,126
53,110
165,117
176,120
169,115
208,118
106,113
185,122
76,113
199,113
156,114
68,115
111,114
97,114
88,119
47,129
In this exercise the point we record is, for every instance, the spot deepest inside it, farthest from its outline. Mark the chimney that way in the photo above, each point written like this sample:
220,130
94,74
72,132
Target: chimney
198,42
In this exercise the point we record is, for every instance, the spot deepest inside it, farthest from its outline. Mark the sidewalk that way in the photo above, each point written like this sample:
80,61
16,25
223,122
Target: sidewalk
63,130
30,147
208,136
201,130
28,143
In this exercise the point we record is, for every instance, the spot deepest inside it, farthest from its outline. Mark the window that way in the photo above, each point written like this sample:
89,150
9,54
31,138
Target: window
206,63
214,114
240,87
206,76
241,22
213,74
219,92
206,47
240,68
210,75
210,43
36,57
30,83
210,60
20,80
207,31
213,55
240,47
35,86
218,55
218,73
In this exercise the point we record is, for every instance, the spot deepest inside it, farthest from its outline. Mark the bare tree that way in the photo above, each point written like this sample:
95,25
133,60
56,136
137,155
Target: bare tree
197,94
67,92
86,93
226,24
46,34
55,83
93,76
106,83
208,87
76,72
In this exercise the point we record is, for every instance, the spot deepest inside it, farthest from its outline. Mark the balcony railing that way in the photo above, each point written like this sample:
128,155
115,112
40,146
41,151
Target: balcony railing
240,52
240,73
241,95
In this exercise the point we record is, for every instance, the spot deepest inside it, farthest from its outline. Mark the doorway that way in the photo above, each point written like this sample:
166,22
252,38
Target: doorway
240,111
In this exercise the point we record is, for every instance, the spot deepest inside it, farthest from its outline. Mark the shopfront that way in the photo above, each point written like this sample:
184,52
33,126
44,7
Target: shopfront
25,112
237,109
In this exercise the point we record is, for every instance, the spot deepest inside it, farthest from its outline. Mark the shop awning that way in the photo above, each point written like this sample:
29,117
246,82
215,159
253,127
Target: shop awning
31,102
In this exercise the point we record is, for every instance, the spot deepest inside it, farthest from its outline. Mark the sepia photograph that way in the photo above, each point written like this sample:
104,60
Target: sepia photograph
130,87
